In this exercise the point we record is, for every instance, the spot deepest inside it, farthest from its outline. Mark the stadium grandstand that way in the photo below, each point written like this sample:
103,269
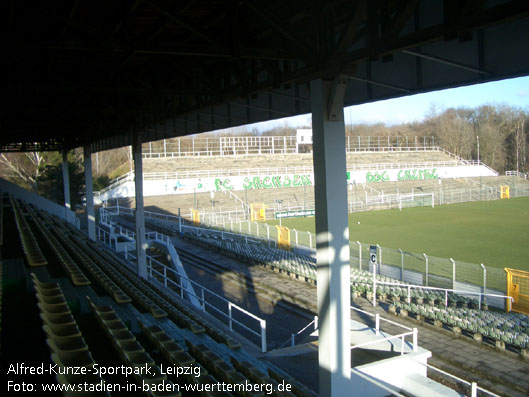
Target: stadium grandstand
159,286
384,176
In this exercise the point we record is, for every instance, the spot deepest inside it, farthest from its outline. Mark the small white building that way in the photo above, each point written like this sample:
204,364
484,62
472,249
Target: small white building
303,137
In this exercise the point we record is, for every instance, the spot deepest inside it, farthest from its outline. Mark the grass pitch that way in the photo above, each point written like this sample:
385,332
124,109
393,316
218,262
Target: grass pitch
495,233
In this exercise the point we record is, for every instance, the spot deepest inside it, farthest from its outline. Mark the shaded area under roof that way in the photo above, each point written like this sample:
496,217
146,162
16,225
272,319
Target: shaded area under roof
93,72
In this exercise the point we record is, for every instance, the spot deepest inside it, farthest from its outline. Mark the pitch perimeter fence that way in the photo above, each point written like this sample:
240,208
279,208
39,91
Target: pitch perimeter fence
410,267
432,271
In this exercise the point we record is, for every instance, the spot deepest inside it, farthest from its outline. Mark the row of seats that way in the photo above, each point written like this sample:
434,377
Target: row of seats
65,341
29,242
140,295
94,270
114,265
302,266
213,368
68,264
179,313
175,354
131,351
362,282
511,328
153,300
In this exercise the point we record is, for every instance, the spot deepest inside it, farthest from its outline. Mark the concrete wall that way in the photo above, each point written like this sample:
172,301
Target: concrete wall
161,187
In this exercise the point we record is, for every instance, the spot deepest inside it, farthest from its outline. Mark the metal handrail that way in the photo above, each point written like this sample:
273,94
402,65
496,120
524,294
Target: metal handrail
459,292
378,318
411,331
388,338
201,298
292,338
473,385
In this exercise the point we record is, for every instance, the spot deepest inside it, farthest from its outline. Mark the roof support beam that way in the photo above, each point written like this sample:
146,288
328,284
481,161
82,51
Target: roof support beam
178,20
378,83
352,29
278,26
446,62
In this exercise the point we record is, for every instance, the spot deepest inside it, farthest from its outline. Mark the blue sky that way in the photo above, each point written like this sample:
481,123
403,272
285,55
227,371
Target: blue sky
513,92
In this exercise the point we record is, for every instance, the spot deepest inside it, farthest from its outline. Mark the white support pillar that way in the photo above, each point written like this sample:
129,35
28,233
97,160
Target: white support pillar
89,191
332,237
66,180
140,216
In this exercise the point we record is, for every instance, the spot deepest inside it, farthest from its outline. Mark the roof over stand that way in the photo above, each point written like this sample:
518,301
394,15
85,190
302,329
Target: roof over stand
93,72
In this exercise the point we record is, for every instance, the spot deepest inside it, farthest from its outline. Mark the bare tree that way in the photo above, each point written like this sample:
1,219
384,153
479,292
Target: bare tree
520,142
22,168
453,131
492,145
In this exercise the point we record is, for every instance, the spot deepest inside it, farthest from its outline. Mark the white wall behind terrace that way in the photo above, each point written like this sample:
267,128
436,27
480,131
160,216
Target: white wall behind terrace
162,187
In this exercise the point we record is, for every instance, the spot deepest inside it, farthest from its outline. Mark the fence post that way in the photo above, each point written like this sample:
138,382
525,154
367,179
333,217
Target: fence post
379,255
256,228
359,255
179,222
453,273
229,316
374,284
484,284
292,340
310,240
474,389
401,265
484,277
263,336
165,277
426,262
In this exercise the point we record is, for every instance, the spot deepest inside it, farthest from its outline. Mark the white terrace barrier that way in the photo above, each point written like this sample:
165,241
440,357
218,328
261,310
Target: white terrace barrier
258,145
516,173
207,181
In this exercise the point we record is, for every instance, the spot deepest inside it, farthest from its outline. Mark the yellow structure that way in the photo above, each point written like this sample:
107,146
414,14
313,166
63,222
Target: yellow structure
505,191
518,288
283,237
196,217
257,212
